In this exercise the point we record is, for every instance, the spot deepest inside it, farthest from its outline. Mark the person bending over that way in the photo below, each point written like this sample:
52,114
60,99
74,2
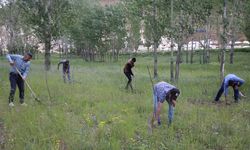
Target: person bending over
164,91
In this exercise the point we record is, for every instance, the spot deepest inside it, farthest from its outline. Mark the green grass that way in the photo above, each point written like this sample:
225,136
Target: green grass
100,114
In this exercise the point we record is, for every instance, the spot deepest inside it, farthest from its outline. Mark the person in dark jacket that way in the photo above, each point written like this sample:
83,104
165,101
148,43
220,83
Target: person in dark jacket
128,72
65,70
233,81
18,64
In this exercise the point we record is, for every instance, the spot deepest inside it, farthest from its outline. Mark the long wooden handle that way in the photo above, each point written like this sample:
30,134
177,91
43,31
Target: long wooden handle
150,78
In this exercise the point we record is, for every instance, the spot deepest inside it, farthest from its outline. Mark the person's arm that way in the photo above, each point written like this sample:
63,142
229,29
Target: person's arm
158,110
59,65
241,81
26,72
130,69
226,88
12,58
170,114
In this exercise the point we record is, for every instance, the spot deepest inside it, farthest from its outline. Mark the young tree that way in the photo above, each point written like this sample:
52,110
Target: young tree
155,20
235,22
44,17
186,13
224,40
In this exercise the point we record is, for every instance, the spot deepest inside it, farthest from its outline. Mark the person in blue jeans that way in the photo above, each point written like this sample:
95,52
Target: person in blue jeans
21,64
164,91
233,81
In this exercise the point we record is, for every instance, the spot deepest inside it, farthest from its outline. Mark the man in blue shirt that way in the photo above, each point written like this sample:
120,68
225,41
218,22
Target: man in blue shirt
164,91
233,81
22,64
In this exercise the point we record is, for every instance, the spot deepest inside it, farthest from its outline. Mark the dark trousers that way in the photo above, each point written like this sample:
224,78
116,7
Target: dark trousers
16,80
128,75
221,90
66,73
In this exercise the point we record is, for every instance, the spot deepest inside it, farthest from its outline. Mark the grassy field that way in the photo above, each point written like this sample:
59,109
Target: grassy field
99,113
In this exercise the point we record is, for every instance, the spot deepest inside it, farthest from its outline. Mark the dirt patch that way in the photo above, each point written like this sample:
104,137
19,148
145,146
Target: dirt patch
201,102
2,135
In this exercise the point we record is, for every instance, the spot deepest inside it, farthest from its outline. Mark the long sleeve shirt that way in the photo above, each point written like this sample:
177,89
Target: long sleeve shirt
66,66
161,92
22,65
231,77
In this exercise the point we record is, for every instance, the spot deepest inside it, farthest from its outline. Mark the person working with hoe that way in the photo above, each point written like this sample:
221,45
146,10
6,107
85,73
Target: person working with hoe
20,66
66,69
164,91
233,81
128,72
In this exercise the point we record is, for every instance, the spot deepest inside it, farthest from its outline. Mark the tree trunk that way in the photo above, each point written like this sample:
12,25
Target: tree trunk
60,50
11,44
232,48
47,35
192,52
172,62
201,56
206,45
204,55
47,52
218,35
177,66
155,41
233,31
172,46
224,41
187,54
208,52
1,51
155,60
222,65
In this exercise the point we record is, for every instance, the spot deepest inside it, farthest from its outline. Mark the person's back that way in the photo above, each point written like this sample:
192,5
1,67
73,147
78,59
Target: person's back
128,66
232,77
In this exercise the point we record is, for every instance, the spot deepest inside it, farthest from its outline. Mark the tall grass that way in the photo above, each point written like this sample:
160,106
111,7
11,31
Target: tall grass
96,112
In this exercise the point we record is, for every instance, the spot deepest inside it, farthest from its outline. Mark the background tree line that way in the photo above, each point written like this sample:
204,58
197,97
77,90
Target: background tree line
93,31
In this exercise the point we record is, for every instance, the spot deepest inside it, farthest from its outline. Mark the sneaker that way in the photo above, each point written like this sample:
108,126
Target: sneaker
159,123
11,104
236,101
24,104
216,102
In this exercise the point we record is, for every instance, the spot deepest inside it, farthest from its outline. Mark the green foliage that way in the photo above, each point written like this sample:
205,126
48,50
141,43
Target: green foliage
11,19
45,16
97,27
154,26
247,20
